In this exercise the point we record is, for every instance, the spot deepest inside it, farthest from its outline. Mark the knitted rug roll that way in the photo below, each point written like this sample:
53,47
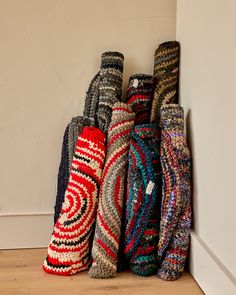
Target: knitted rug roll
143,200
92,97
111,197
69,248
73,129
110,86
63,175
140,95
166,74
176,193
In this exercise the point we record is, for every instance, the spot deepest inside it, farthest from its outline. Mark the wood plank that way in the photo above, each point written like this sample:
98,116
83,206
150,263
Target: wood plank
21,273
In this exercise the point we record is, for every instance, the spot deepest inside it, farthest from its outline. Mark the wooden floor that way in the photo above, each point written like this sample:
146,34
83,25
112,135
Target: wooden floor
21,274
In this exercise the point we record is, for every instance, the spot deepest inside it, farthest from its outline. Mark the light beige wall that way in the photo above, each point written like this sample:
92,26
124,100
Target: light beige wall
49,51
207,32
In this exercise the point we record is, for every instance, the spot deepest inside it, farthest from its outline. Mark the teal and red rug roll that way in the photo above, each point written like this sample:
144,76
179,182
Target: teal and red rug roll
142,214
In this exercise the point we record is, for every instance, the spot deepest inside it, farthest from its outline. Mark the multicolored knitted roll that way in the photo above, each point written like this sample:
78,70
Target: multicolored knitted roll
70,245
111,197
73,130
140,95
176,193
143,199
110,87
92,98
166,74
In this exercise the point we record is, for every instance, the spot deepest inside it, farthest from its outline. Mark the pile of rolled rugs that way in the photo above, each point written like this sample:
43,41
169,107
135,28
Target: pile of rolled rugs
124,183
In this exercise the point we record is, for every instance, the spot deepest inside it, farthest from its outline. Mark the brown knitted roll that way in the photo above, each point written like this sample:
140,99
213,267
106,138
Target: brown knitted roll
166,74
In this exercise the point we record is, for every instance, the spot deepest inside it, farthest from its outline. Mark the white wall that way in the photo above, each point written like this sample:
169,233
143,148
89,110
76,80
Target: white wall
50,49
207,32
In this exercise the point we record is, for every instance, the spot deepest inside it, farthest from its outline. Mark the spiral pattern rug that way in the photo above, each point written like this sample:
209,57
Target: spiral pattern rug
142,201
110,87
70,245
166,74
73,130
140,95
111,197
176,193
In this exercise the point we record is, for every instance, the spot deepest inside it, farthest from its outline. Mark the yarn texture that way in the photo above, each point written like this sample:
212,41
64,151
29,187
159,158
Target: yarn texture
111,197
140,95
70,245
73,130
166,74
92,98
176,193
110,87
142,215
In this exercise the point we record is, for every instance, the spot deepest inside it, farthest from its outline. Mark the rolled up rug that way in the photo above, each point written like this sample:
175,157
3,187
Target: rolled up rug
142,207
63,175
110,86
176,194
140,95
111,197
73,130
166,74
70,245
91,100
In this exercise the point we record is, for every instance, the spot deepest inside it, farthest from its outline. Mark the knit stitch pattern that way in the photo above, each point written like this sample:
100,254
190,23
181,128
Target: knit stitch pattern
176,193
140,95
111,197
166,74
70,245
73,130
142,216
92,98
110,87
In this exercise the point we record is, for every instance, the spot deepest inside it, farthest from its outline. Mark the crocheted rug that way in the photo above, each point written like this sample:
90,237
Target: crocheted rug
176,193
140,95
110,87
166,74
73,130
143,200
111,197
69,248
91,100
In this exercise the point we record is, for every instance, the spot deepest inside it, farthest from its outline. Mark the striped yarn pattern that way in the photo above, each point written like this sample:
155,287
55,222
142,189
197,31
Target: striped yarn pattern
70,245
176,193
76,127
140,95
142,216
110,87
166,74
111,197
92,98
73,130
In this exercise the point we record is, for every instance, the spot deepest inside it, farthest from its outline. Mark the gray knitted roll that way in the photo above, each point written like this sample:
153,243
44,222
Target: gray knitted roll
76,127
92,97
110,87
108,225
